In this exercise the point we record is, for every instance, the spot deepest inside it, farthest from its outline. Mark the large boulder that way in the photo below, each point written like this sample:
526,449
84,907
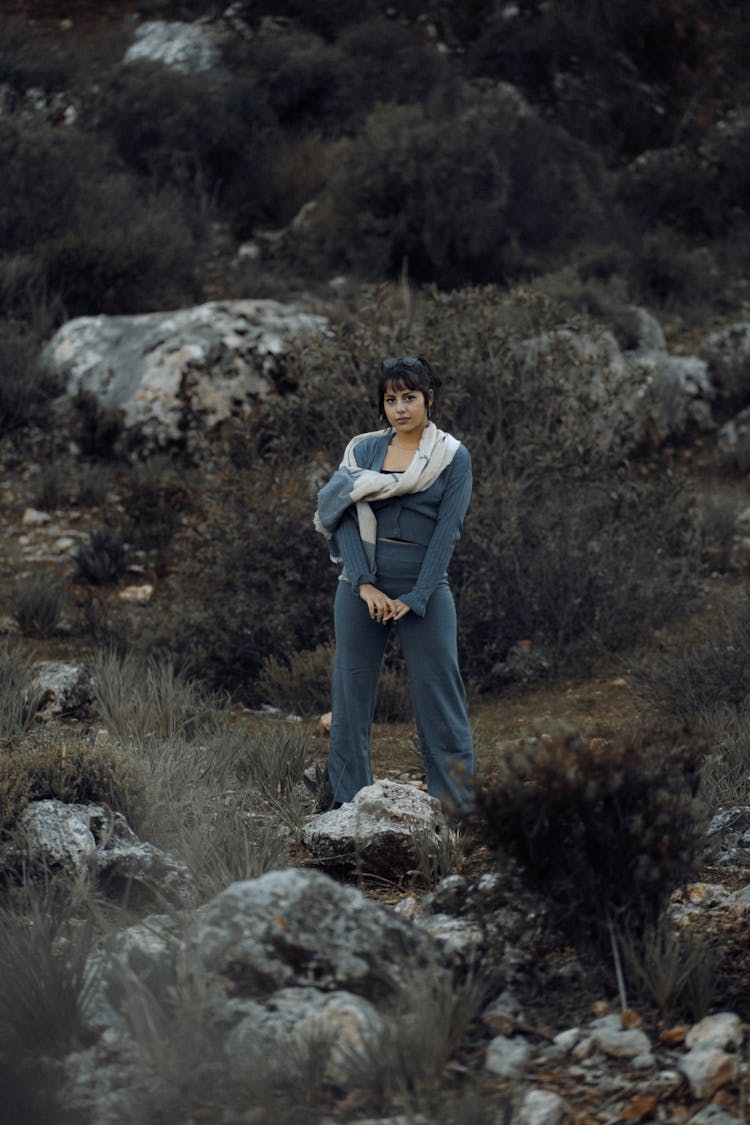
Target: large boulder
629,399
176,375
272,971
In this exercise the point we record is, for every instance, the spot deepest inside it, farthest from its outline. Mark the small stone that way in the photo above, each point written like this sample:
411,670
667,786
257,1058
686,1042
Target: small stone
610,1038
507,1057
34,518
707,1068
137,595
566,1040
323,725
639,1108
600,1008
721,1030
643,1062
501,1016
673,1036
630,1019
541,1107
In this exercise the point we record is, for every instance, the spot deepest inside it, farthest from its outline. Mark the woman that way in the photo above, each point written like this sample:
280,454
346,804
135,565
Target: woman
394,511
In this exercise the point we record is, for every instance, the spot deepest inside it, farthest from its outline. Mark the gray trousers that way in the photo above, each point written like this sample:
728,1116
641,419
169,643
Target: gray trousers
437,690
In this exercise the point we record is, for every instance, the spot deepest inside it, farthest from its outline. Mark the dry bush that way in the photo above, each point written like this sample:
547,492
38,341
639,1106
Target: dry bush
71,769
607,830
692,681
302,685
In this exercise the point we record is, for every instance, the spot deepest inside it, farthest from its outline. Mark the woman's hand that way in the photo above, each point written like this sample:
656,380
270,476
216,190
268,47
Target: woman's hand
379,604
397,610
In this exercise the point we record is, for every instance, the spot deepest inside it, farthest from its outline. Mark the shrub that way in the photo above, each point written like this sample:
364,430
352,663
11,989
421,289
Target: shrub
472,193
37,604
302,684
107,245
213,141
578,567
607,829
103,559
556,56
666,274
25,388
44,975
244,578
98,429
690,680
725,780
675,970
157,496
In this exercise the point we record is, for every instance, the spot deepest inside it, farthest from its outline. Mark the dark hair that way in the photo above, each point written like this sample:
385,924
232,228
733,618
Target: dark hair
414,373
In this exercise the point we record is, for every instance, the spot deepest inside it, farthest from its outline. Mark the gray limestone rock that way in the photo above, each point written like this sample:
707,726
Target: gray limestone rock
174,376
97,845
300,928
186,47
379,829
64,688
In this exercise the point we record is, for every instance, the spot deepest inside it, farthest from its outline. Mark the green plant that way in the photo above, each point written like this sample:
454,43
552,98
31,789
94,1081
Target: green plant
45,975
420,1034
20,699
674,970
103,559
141,699
25,387
607,829
38,601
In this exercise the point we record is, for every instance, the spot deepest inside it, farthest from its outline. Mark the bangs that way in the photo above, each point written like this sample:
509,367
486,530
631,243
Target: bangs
401,381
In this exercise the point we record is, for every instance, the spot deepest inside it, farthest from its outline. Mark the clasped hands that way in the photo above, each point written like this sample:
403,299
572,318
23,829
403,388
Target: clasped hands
382,608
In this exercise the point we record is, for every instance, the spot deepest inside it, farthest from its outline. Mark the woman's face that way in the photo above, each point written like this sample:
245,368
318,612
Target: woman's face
405,409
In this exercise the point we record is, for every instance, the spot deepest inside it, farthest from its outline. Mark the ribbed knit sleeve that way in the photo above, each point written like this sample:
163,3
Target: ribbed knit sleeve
448,527
348,544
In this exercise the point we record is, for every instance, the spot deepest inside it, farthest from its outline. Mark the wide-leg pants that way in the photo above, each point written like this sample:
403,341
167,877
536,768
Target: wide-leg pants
429,647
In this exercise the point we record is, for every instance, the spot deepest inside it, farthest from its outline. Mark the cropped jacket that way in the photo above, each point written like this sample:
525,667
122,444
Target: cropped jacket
432,518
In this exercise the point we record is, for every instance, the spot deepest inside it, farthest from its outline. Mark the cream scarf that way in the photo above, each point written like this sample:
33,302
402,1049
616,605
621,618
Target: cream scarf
351,484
